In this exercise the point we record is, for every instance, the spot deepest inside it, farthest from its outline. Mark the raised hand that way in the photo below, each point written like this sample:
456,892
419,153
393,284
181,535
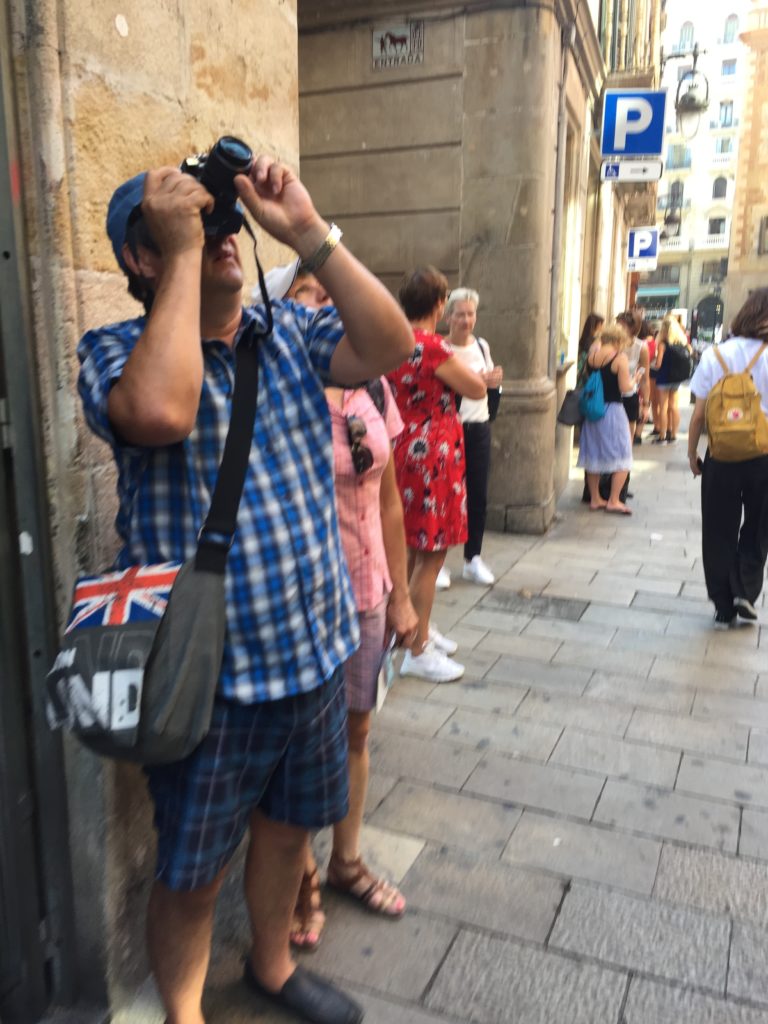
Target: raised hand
281,205
172,206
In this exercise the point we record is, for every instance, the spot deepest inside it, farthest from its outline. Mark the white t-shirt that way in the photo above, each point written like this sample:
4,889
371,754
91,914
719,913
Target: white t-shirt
474,410
737,353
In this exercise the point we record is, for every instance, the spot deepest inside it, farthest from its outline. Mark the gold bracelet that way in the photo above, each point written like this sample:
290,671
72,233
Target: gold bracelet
316,261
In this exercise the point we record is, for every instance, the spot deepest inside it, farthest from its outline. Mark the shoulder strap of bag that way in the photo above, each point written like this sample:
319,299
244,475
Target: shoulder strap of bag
218,530
482,351
719,357
755,357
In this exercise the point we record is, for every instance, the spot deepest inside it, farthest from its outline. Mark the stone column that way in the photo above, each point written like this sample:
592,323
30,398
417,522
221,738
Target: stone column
512,61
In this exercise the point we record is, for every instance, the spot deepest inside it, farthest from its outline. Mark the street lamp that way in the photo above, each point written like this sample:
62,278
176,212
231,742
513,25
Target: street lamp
692,96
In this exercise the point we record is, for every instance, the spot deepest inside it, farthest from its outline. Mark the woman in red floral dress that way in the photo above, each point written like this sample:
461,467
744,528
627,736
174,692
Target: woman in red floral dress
429,462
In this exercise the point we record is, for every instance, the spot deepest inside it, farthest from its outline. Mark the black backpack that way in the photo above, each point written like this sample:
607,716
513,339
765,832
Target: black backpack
678,364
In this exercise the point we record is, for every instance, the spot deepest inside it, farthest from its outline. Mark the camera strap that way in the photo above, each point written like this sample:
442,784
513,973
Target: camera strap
262,282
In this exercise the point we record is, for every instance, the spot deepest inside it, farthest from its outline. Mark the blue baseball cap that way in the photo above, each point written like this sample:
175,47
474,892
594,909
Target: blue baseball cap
124,201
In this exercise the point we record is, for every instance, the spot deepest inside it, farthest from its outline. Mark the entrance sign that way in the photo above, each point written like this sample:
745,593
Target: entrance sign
633,122
398,44
643,251
631,170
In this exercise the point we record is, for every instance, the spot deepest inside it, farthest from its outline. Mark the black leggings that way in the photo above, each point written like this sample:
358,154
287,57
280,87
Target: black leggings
477,449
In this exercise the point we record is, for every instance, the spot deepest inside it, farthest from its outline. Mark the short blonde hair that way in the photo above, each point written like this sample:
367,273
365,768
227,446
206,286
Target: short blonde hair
461,295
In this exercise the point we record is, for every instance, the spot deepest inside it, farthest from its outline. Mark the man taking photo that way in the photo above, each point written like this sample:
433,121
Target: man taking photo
158,390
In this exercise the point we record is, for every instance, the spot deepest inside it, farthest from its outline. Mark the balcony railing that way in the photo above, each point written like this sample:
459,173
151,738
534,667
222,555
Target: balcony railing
715,242
674,244
723,159
669,203
679,165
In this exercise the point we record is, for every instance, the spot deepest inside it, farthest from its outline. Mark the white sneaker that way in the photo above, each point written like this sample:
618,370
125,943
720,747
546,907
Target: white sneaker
431,664
440,642
477,571
443,579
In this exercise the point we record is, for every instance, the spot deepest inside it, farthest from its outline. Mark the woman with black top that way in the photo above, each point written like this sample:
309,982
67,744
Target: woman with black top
605,445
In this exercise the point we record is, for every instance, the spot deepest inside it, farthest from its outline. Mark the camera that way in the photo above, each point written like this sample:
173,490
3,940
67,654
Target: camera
216,171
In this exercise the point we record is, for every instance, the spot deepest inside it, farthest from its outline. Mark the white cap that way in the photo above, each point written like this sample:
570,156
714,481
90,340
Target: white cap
278,280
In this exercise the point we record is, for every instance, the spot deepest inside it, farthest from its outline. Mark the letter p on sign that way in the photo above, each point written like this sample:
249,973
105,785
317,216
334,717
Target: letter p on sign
633,116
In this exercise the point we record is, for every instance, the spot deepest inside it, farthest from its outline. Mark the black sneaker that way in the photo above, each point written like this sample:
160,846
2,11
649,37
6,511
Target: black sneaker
724,620
745,609
670,439
637,439
659,440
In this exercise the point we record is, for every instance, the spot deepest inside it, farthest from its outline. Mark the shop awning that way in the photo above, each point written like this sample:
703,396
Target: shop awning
658,289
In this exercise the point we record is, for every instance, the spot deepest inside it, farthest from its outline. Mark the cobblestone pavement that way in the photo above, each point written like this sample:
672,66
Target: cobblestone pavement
581,824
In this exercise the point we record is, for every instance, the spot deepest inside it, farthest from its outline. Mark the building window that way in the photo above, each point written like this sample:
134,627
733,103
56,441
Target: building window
716,226
731,28
720,188
676,190
686,36
726,114
723,145
729,68
762,241
713,271
678,156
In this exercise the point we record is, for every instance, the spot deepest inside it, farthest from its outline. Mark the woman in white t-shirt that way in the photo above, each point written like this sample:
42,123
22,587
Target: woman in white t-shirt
461,314
734,495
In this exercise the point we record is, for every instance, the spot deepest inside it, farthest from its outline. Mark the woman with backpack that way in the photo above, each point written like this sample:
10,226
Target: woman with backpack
605,444
731,390
673,363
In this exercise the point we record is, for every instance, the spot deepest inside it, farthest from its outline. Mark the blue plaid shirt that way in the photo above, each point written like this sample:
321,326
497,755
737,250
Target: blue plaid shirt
290,609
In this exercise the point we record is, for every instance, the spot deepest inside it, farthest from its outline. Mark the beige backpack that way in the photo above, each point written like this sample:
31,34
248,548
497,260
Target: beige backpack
736,424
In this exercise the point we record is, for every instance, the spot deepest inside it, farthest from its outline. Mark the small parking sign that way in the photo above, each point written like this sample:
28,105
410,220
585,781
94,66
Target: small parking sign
643,249
633,122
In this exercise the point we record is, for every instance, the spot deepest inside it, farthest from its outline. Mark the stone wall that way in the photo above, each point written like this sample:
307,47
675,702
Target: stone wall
102,95
452,161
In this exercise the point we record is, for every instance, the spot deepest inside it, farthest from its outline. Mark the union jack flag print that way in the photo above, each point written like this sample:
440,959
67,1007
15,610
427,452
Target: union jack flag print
138,594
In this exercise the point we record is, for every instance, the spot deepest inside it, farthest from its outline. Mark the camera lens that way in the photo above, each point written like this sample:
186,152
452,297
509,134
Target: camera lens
235,152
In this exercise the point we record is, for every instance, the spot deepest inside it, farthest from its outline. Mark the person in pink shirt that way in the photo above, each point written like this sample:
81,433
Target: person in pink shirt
365,422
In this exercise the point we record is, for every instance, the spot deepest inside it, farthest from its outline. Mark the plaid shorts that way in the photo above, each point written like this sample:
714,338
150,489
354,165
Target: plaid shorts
288,758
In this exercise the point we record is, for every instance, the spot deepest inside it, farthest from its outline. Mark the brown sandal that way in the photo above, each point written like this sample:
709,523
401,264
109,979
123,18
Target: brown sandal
376,894
308,917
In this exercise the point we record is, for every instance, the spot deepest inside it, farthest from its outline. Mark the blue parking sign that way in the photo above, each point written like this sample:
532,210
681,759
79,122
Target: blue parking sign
633,122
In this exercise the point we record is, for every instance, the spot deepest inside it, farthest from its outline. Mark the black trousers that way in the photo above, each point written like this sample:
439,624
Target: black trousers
734,519
477,449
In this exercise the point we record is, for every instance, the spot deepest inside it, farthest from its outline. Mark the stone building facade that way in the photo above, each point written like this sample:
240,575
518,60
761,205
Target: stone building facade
472,145
748,259
89,97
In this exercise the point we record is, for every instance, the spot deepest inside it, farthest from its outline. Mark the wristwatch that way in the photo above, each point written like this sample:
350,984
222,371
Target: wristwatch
318,258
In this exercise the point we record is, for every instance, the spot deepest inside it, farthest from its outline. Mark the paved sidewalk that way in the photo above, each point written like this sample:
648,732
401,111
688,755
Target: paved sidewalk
581,824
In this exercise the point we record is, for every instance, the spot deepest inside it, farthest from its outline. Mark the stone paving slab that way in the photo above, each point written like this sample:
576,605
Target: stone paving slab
497,698
500,597
747,976
753,841
507,623
714,882
675,670
642,693
665,941
484,892
411,715
446,817
584,851
590,715
747,710
563,629
612,660
742,784
758,747
514,735
487,980
409,757
537,786
700,735
630,618
657,812
555,678
389,956
607,755
651,1002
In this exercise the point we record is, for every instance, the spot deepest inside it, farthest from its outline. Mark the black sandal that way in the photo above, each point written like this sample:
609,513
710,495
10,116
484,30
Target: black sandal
308,996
